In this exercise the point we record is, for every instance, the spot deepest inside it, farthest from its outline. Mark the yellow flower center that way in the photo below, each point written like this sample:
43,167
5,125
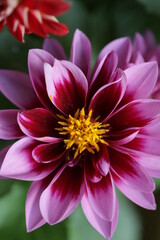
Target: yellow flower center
82,133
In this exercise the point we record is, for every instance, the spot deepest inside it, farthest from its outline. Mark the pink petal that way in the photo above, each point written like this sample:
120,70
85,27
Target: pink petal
135,114
34,217
146,76
62,196
122,137
2,156
103,73
81,52
101,161
17,87
122,46
45,153
107,98
55,48
36,60
102,197
105,228
143,199
66,86
9,128
19,163
139,44
130,172
91,173
39,123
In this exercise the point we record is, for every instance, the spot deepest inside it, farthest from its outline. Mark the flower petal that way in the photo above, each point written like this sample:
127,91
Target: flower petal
17,87
2,156
55,48
137,113
146,76
143,199
132,173
122,137
34,217
107,98
19,163
105,228
45,153
102,197
66,86
81,52
122,46
103,73
36,60
62,196
9,128
39,123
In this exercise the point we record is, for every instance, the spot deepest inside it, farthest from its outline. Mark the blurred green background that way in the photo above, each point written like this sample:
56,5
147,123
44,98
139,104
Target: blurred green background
102,21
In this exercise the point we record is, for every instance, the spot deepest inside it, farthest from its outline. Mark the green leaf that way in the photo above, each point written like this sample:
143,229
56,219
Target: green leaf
152,6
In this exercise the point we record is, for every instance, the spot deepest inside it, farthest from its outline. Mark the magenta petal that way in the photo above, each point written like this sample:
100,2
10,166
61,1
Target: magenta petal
39,123
34,217
45,153
143,199
19,163
2,156
105,228
102,197
81,52
90,171
17,87
36,60
137,113
9,128
122,46
103,73
107,98
66,86
122,137
132,173
55,48
146,76
62,196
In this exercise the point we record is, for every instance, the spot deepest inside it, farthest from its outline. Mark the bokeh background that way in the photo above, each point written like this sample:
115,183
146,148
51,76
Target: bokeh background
102,21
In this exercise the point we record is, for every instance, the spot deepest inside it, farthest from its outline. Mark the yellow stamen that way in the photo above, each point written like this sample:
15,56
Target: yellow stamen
82,133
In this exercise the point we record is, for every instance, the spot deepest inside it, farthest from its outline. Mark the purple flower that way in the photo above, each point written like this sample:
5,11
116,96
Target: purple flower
81,135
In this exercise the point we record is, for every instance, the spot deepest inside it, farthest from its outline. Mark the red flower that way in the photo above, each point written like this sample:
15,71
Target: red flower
33,16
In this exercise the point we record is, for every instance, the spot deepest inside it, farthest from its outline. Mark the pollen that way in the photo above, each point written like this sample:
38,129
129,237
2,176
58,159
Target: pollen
81,133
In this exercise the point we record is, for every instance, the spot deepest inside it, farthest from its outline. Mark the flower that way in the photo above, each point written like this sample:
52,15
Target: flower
80,135
33,16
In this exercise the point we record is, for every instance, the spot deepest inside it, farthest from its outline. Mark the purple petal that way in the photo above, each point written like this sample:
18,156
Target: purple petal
122,46
103,73
17,87
36,60
102,197
62,196
146,76
107,98
19,163
45,153
9,128
66,86
34,217
81,52
39,123
122,137
135,114
105,228
53,47
133,174
143,199
90,171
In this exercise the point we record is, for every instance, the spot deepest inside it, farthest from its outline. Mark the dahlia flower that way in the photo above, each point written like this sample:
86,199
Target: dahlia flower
80,134
33,16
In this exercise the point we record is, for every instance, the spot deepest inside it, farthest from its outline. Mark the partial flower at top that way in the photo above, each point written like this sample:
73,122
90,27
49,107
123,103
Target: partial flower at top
80,134
33,16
